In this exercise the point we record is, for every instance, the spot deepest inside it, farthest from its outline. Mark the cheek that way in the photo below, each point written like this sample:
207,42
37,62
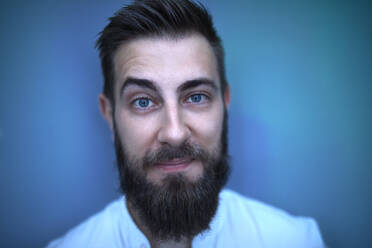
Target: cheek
207,128
136,134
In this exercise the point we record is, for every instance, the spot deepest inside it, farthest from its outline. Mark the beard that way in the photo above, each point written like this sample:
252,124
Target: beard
176,208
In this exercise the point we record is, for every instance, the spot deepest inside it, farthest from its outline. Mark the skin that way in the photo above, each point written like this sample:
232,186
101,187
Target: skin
173,112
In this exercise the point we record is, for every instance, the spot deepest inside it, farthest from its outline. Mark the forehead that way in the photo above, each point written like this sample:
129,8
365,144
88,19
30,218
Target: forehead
166,61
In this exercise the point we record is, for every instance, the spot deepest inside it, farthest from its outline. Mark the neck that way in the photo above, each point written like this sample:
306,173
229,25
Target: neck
155,243
171,244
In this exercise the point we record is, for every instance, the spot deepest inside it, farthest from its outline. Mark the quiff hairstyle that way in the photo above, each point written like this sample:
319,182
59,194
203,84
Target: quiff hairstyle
155,18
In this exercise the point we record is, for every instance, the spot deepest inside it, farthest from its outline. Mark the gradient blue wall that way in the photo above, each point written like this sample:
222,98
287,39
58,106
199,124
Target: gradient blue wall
300,118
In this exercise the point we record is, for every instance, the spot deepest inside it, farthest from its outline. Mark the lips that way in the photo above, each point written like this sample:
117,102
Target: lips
174,165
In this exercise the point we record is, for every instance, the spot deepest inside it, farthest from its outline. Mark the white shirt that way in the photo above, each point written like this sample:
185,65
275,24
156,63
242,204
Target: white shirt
239,222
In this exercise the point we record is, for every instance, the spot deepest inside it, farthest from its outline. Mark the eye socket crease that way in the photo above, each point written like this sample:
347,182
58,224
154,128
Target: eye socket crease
139,82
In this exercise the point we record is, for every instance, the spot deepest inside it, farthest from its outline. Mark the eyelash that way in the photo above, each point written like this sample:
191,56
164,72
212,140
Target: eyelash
203,95
142,98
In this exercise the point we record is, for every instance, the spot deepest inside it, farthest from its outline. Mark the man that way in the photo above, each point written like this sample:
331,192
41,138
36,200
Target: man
165,98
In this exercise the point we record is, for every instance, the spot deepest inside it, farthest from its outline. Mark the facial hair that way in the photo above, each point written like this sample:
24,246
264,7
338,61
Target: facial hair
176,208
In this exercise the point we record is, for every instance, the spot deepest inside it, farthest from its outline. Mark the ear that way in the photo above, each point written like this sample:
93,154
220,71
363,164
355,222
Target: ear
106,109
227,96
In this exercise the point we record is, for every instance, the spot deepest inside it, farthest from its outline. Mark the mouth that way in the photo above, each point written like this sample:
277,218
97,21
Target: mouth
174,165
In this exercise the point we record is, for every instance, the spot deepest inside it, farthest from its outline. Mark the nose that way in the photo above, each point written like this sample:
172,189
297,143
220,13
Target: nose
174,130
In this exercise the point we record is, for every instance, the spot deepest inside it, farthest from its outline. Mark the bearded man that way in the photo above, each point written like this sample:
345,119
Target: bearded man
165,98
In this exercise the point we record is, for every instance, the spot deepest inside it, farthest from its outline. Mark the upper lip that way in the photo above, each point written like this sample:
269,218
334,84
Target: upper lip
176,161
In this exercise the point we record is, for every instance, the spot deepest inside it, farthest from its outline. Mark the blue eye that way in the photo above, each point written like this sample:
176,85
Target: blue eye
196,98
143,103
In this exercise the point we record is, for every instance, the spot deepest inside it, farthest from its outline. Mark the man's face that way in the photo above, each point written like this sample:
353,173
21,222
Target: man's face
170,129
167,93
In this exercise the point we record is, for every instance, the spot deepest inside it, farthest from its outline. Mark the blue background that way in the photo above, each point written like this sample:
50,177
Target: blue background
300,118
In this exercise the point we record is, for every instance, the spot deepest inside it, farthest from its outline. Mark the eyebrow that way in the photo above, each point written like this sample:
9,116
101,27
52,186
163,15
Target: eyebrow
143,83
189,84
195,83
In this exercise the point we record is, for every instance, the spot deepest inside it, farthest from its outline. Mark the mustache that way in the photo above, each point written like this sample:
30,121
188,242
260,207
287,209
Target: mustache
166,153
